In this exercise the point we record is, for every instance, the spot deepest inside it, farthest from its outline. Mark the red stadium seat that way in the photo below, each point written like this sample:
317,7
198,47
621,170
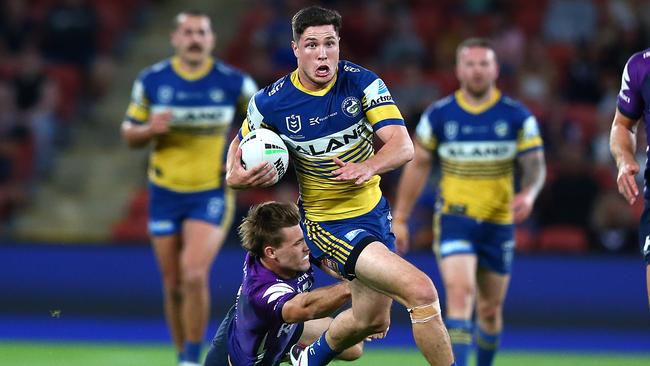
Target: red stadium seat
525,240
563,238
69,82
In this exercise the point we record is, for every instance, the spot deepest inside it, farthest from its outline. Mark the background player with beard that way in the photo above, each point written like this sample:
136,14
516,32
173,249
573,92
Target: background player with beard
478,136
185,106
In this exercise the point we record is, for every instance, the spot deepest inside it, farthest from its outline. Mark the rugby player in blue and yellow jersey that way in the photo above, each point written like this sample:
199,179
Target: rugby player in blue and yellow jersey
185,106
327,112
479,136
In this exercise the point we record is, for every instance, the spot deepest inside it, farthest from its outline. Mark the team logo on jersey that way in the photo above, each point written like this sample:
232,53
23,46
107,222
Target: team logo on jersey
451,130
351,106
216,95
501,128
293,123
165,93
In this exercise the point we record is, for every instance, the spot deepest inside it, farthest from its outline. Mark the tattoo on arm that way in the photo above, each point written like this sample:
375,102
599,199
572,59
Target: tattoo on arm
533,171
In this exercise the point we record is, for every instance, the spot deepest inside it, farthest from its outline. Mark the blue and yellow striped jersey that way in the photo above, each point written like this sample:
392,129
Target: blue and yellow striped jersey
338,121
477,147
203,104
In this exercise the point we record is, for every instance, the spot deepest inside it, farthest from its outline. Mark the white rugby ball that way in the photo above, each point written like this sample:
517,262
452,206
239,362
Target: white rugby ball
262,145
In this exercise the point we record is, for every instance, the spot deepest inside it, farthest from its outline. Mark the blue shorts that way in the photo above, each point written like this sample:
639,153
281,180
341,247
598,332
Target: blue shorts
493,244
338,243
218,352
644,233
168,209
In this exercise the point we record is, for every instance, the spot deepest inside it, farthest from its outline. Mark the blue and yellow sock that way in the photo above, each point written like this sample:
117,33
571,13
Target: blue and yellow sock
320,353
488,344
192,351
460,333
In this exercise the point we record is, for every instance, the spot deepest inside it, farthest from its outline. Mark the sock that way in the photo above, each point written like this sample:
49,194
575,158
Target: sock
460,332
319,352
192,351
488,345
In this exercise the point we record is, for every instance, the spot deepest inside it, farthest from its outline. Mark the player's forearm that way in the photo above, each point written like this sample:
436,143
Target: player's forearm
533,173
622,143
136,135
317,304
230,157
397,150
411,183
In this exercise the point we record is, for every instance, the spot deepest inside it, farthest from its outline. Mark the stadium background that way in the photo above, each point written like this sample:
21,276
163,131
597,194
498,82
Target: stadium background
74,259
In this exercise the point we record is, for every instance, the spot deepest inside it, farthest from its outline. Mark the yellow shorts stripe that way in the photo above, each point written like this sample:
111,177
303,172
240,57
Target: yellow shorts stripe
323,246
229,197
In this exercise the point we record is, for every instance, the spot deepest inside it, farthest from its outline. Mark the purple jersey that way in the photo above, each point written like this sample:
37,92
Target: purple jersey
258,335
634,97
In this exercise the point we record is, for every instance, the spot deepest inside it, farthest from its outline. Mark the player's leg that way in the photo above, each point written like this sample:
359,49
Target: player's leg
647,278
201,243
204,231
370,314
316,327
492,289
218,352
380,269
167,250
458,274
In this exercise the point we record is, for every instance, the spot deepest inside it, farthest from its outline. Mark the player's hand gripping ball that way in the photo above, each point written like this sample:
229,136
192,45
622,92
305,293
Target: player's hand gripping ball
262,145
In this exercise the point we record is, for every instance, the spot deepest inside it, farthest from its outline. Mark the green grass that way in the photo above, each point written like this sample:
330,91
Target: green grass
94,354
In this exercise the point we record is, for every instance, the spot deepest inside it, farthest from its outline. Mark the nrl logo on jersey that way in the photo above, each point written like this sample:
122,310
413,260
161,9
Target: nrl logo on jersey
351,106
293,123
451,130
165,94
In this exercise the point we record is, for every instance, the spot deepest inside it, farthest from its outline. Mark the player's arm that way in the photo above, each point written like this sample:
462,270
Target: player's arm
316,304
139,135
397,150
239,178
412,181
622,144
533,175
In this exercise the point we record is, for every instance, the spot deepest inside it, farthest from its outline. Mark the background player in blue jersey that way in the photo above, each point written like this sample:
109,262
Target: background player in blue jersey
327,112
185,106
275,307
633,105
479,136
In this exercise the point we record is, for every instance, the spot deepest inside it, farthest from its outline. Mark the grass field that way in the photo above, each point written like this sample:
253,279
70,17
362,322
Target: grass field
94,354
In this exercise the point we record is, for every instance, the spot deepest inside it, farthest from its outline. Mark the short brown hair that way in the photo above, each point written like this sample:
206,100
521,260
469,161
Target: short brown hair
314,16
475,42
263,225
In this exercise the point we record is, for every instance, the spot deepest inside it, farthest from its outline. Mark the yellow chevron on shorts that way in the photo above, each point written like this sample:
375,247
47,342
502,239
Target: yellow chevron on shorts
324,247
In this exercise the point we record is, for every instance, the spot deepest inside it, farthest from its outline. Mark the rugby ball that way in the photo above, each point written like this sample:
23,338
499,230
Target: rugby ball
262,145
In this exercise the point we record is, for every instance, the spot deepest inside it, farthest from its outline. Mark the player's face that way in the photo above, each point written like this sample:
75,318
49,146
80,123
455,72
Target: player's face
317,52
293,253
476,70
193,39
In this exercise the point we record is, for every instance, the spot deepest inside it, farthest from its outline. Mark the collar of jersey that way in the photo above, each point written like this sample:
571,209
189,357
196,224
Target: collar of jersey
191,76
318,93
476,109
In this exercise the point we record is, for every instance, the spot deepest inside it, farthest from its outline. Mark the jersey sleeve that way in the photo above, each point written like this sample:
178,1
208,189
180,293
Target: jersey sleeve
630,100
138,110
248,89
254,118
273,298
528,137
424,132
378,105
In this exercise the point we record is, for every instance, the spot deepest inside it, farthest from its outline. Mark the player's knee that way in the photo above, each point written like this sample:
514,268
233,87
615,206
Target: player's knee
489,311
193,278
421,291
425,313
459,295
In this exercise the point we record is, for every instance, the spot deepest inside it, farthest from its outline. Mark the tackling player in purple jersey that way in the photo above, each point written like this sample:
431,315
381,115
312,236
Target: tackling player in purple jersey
274,308
632,106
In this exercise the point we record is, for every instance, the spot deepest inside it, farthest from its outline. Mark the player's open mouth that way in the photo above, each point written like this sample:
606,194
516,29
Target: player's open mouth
322,71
